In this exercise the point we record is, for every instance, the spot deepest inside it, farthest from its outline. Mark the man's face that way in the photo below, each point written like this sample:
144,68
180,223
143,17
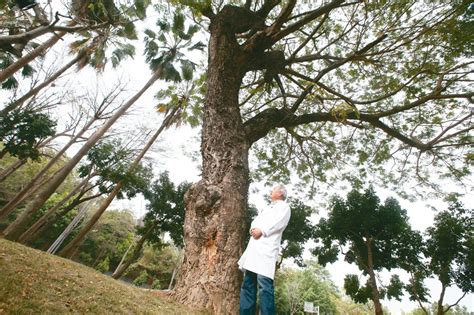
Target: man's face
276,194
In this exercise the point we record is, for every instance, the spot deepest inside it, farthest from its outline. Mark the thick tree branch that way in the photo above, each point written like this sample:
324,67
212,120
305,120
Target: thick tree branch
238,19
307,19
283,16
267,6
258,126
25,37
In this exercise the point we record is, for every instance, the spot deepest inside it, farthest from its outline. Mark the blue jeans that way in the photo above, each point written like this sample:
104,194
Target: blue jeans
248,294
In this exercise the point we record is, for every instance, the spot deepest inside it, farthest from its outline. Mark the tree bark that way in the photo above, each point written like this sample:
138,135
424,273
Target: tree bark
372,279
11,169
10,206
49,217
38,88
123,266
216,205
13,231
70,248
23,61
440,307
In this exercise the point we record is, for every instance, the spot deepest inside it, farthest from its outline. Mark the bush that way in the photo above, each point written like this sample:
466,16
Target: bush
141,279
104,265
156,285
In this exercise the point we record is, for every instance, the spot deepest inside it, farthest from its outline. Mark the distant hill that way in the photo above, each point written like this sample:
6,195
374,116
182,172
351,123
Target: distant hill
34,282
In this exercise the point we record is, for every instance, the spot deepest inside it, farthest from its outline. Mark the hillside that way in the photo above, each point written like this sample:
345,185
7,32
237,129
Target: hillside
33,282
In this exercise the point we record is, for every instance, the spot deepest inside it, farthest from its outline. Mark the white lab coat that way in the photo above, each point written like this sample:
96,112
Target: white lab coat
261,255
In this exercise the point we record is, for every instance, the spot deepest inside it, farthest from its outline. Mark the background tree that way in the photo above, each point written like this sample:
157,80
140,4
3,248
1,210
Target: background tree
159,262
21,177
433,309
21,132
311,284
99,111
105,245
107,163
165,215
340,83
371,235
297,233
449,248
102,17
163,60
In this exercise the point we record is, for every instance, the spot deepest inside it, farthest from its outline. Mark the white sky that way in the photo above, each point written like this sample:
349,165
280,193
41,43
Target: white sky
173,149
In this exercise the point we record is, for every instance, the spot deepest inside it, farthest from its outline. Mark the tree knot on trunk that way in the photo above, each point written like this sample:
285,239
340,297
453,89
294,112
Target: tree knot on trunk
258,126
240,20
272,61
203,196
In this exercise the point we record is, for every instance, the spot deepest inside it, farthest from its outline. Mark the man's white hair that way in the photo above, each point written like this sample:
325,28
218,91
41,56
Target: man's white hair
281,188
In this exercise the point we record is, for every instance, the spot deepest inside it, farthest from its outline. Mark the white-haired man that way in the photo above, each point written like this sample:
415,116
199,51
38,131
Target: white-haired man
259,258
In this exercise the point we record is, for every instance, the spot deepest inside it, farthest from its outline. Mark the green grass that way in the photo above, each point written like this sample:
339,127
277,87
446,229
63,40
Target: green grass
34,282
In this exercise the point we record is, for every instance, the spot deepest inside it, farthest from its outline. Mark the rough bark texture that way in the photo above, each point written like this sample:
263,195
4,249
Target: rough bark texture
216,205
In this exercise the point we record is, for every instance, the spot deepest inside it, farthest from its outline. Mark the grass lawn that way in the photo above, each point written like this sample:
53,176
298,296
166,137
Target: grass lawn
34,282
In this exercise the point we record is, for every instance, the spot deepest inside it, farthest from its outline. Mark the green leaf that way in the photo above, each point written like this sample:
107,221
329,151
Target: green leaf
27,71
129,31
140,9
163,25
170,73
198,46
150,33
178,23
187,69
10,84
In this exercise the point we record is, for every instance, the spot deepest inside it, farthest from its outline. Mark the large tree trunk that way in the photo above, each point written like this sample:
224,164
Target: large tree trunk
216,205
13,231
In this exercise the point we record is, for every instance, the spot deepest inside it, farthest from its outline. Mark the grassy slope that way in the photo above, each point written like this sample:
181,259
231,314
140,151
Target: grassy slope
33,282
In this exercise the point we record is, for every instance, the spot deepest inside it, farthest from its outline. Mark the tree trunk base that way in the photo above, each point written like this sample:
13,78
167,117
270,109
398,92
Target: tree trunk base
209,277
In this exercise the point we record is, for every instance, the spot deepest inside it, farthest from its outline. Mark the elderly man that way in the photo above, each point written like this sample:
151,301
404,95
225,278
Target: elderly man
259,259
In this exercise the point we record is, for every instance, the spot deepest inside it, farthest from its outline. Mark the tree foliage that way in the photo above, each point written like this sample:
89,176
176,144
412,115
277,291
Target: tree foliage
298,232
448,251
165,210
311,284
371,235
110,161
450,247
22,131
107,242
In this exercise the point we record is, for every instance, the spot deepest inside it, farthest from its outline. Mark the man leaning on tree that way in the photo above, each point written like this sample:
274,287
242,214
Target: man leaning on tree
259,258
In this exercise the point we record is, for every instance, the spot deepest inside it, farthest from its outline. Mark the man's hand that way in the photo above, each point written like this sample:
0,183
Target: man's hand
256,233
